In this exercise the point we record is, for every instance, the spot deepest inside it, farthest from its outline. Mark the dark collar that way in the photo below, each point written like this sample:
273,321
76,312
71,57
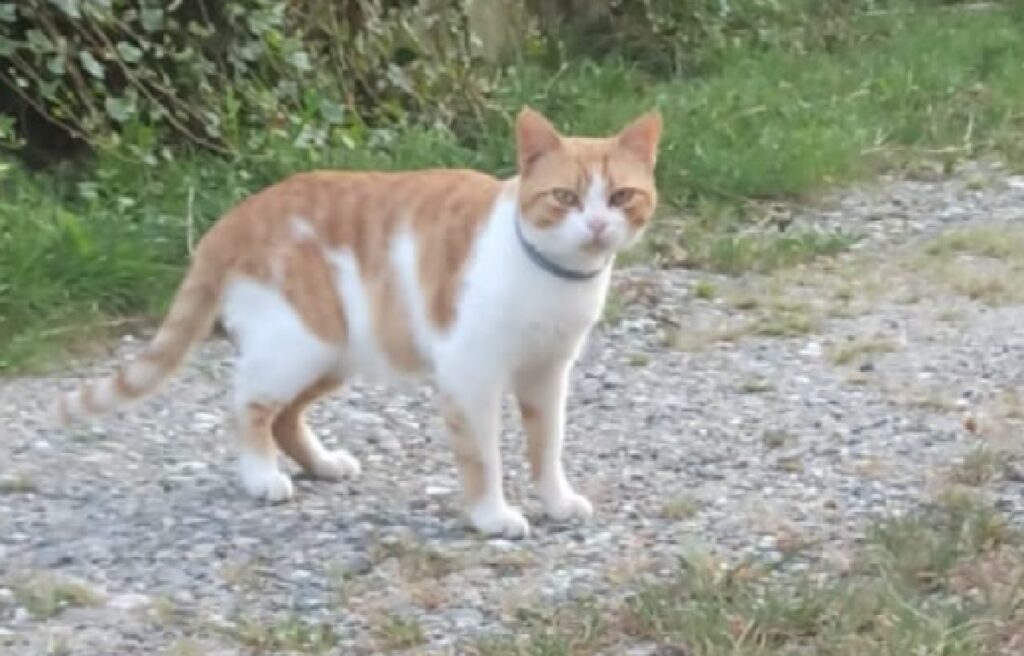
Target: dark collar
551,266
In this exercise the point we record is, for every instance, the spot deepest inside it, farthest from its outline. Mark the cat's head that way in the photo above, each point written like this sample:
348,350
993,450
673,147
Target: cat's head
583,199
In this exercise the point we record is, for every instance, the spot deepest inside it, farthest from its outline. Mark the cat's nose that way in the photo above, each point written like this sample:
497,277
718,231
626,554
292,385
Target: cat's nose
597,226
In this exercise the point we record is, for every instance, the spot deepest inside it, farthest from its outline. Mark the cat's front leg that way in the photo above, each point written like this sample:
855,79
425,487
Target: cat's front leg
472,414
542,393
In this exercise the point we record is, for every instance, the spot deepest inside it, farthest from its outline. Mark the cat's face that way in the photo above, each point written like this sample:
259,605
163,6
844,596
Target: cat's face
583,199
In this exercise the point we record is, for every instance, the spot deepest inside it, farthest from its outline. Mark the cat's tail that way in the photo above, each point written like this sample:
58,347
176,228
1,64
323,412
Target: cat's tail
189,319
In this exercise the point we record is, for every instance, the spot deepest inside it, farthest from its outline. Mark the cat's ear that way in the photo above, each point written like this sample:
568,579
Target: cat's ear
641,136
535,136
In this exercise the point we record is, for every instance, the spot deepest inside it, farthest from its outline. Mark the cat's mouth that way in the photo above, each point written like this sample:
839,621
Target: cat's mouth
596,246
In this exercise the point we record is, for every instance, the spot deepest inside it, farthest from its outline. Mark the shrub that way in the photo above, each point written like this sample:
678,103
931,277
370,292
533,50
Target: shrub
223,75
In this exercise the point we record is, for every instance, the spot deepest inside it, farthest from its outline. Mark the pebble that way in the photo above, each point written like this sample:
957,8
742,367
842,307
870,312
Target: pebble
129,601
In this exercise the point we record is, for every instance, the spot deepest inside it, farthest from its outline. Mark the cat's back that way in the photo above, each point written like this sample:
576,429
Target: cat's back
359,210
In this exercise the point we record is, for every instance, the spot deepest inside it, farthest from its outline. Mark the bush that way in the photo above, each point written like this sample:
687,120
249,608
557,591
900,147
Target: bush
223,76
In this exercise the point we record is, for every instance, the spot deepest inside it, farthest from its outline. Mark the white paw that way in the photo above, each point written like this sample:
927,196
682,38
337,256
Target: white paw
568,505
499,520
336,465
263,480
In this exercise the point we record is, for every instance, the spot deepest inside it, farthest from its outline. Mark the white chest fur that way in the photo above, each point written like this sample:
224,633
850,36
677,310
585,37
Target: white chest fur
513,309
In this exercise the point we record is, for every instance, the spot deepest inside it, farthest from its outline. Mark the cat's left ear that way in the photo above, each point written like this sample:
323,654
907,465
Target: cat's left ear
641,136
535,136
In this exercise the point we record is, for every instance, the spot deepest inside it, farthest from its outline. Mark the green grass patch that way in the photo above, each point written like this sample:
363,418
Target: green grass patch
109,239
947,580
983,264
284,635
45,595
396,633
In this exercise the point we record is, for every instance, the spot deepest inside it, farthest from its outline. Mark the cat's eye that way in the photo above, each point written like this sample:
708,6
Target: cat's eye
565,197
622,197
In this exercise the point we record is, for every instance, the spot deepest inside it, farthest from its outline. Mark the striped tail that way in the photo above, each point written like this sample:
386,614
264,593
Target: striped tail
190,319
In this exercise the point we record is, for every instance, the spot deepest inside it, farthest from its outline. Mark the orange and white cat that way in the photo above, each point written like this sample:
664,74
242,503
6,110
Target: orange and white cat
481,285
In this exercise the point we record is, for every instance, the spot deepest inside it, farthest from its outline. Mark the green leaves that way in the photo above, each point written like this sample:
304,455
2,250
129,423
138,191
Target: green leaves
70,8
91,65
129,53
203,74
119,109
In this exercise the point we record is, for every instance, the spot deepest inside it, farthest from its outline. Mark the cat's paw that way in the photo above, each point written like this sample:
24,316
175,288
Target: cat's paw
499,521
265,481
336,465
568,505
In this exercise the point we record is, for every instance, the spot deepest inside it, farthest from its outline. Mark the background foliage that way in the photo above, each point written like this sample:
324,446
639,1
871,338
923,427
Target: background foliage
127,126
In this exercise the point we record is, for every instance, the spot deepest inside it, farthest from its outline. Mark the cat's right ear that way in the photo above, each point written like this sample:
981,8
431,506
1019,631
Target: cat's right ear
535,136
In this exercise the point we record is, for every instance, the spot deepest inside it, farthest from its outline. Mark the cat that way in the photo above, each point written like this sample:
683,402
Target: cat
480,285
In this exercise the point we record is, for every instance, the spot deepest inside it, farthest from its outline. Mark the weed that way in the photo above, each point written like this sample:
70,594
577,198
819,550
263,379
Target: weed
945,581
756,386
679,508
1005,243
186,647
639,360
790,321
396,633
287,634
983,264
776,439
417,561
46,596
978,467
17,484
705,289
764,253
856,349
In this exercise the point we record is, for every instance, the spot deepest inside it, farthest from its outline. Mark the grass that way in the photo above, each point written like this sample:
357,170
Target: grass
705,290
756,386
946,580
856,349
396,633
680,507
984,264
772,315
735,254
17,484
979,467
417,561
46,596
285,635
83,248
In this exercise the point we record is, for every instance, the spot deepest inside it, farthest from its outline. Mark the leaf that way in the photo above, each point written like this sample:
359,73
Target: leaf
38,41
69,7
119,109
7,46
8,12
56,64
152,19
129,52
89,63
332,112
300,60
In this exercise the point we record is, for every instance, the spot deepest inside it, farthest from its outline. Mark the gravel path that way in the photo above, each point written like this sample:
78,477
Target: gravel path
765,416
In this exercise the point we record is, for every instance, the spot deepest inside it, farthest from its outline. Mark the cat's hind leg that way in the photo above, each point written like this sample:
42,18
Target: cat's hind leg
257,461
279,360
300,443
